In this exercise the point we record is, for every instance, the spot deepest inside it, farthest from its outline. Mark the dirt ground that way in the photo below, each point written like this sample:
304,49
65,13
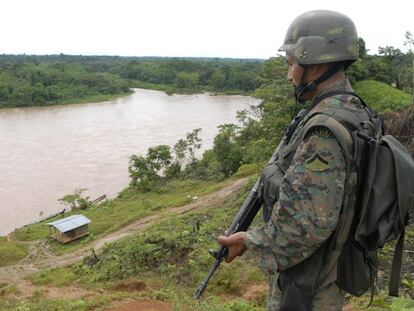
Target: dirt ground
144,305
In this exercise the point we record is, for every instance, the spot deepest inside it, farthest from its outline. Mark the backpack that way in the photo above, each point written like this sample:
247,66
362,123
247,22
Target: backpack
385,206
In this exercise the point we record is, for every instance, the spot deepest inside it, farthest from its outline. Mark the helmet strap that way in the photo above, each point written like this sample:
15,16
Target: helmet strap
304,88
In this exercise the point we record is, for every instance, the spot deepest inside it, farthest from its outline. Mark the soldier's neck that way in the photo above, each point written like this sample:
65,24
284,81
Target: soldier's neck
339,76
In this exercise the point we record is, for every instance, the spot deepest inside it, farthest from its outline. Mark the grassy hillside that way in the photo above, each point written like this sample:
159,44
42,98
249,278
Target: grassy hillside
114,214
382,97
167,261
11,251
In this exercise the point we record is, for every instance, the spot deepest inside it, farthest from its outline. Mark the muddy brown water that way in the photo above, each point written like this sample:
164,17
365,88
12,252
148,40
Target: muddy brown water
48,152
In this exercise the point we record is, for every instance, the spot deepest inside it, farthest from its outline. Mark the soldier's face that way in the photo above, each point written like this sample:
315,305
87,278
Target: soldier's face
295,71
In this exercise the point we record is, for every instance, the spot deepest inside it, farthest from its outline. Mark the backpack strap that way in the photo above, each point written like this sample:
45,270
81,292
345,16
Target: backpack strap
396,266
377,121
327,273
370,111
341,133
347,139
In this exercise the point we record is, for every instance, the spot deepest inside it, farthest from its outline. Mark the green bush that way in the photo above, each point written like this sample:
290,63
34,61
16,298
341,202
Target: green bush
55,277
75,201
402,304
247,170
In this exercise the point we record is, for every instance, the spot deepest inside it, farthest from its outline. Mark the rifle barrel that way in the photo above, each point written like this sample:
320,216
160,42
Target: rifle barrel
203,284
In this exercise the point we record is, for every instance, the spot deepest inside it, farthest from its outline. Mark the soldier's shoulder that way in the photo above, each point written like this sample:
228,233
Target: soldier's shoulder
324,127
340,101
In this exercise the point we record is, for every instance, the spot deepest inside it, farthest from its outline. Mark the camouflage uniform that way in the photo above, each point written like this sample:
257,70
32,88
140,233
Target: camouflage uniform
306,213
313,178
306,189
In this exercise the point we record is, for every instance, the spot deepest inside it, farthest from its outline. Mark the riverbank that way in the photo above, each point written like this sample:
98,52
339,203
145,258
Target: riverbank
81,100
90,145
170,89
167,88
94,99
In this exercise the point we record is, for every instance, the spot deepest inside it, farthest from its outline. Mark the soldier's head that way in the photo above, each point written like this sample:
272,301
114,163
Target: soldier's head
318,45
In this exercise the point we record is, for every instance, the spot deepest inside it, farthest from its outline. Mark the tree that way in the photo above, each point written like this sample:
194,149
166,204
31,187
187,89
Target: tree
186,80
389,52
193,143
76,201
159,156
362,48
180,150
227,152
393,57
218,80
141,173
145,172
409,41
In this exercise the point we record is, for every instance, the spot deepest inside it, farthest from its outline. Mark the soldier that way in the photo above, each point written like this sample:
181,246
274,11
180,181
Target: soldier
307,188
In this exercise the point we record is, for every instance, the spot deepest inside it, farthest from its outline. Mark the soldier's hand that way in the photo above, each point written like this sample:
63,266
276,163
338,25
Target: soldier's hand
235,244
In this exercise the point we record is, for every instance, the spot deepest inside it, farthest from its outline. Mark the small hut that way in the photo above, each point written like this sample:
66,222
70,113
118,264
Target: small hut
69,228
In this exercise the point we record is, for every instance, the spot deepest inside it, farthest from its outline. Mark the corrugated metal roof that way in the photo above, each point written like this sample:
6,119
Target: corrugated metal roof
69,223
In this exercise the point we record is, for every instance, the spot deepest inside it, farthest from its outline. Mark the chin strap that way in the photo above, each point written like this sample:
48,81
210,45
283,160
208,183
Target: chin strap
304,88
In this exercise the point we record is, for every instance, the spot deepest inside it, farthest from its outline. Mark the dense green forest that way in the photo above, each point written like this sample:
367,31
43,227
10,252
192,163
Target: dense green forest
31,80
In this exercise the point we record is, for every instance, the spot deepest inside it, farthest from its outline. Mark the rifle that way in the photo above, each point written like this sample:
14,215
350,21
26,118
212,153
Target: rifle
253,202
246,214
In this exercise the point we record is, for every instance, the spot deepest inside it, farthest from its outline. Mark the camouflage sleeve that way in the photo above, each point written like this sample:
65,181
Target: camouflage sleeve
310,199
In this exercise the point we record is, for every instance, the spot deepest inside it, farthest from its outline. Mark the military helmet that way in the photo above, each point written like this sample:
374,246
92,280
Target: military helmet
317,37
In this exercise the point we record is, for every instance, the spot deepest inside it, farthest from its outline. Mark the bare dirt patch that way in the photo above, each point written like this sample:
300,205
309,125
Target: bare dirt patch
131,286
71,292
144,305
255,291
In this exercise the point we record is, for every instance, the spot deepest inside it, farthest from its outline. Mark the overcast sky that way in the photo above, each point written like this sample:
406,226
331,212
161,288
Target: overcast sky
212,28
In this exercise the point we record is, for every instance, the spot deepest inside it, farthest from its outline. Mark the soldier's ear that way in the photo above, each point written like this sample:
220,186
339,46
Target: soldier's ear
314,71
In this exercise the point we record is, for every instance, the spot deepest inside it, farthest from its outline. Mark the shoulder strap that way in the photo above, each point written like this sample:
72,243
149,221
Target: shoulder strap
344,225
396,266
339,92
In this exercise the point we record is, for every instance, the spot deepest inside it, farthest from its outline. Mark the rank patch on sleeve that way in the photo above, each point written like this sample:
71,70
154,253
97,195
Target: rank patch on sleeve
316,163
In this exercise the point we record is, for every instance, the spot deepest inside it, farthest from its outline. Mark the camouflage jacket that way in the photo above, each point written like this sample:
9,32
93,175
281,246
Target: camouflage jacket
310,193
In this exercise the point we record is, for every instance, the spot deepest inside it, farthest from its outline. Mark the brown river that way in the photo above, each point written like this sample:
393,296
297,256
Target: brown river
48,152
